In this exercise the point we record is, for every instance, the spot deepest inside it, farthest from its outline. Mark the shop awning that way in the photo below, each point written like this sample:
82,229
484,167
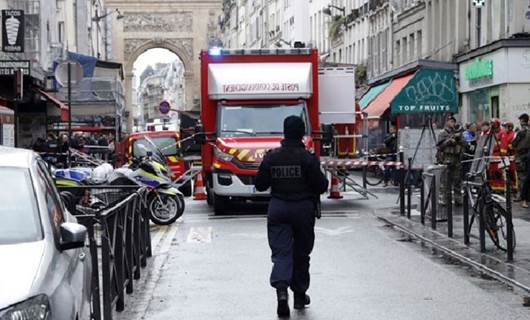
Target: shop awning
429,91
382,102
372,94
63,107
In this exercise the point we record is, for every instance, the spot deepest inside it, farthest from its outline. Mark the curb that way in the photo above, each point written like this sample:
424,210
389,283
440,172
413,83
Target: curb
461,258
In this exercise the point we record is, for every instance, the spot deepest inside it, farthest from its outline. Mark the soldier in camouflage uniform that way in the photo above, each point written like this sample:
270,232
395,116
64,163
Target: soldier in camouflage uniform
450,146
521,145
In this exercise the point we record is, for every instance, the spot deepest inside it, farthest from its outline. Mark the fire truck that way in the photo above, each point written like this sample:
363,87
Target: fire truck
246,95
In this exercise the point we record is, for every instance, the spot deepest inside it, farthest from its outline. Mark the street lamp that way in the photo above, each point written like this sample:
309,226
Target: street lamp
327,11
97,18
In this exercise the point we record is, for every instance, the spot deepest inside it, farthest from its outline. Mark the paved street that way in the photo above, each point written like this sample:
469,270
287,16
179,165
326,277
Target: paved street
208,267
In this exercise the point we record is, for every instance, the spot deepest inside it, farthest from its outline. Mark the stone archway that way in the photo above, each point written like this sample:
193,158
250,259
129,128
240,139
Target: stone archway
182,27
180,47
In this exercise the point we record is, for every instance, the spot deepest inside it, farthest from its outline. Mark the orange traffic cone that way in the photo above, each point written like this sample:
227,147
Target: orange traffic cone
199,192
334,192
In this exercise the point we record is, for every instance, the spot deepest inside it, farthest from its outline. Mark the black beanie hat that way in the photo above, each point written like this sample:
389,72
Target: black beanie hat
293,128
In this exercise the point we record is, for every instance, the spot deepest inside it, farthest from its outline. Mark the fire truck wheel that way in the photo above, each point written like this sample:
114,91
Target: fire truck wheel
220,204
186,189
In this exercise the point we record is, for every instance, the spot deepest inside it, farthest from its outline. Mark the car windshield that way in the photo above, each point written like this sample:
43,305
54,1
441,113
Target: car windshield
19,217
251,120
168,146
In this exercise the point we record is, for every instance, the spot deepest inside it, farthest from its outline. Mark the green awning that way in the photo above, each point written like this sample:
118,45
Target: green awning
430,91
372,94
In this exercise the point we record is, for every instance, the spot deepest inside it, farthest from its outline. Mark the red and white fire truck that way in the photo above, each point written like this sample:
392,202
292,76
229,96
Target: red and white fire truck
246,95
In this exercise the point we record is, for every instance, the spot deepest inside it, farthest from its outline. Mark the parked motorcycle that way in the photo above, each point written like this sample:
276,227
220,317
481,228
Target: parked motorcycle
164,202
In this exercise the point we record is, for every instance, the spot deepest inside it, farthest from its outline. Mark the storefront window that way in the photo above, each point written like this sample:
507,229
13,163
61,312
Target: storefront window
479,105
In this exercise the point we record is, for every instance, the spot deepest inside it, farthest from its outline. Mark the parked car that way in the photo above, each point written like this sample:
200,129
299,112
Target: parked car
46,269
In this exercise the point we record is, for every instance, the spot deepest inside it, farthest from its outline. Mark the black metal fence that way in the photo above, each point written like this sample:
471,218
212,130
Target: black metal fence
119,239
437,206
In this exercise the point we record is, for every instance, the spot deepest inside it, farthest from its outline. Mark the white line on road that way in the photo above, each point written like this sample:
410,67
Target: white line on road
171,233
334,232
200,235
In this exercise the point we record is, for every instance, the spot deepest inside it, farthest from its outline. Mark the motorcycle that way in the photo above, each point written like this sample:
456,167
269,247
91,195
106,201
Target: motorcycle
165,203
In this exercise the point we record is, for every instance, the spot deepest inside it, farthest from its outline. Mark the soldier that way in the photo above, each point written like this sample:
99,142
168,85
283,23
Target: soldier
296,182
521,145
450,148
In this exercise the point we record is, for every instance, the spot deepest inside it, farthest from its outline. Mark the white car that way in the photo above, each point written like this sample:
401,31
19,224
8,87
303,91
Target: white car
45,268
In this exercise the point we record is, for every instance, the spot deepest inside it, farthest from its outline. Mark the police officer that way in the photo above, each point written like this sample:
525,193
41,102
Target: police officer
521,144
296,182
450,148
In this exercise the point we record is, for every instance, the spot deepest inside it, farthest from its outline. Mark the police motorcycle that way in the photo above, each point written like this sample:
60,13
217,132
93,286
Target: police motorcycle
165,202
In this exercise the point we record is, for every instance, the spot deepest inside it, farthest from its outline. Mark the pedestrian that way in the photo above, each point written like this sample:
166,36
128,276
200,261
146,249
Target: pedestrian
391,148
521,145
495,168
470,137
525,189
450,146
507,154
296,182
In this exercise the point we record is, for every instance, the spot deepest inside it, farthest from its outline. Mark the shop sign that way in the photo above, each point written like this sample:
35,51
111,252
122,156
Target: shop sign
10,67
479,69
429,91
13,30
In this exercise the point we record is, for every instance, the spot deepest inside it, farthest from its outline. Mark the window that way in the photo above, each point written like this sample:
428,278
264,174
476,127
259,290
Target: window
419,45
397,51
404,46
412,53
53,205
250,120
19,213
60,29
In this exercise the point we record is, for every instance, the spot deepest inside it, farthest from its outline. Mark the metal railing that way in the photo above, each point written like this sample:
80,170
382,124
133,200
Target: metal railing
119,241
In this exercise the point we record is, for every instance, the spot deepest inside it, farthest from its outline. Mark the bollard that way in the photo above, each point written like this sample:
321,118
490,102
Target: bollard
409,188
422,200
401,184
365,169
449,204
434,203
466,215
509,221
482,229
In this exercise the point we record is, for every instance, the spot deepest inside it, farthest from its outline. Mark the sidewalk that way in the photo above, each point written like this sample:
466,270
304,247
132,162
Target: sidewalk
493,262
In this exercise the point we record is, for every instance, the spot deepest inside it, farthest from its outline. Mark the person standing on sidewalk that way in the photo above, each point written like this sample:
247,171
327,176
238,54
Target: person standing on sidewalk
391,149
525,189
450,148
296,182
521,145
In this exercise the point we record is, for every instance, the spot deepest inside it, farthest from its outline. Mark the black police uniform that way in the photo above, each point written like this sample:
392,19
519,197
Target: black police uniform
296,181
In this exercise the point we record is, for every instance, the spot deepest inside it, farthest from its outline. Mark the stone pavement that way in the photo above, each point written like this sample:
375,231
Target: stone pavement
493,262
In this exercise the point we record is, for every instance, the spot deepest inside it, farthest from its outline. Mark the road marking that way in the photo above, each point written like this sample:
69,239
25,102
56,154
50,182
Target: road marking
159,232
334,232
200,235
170,235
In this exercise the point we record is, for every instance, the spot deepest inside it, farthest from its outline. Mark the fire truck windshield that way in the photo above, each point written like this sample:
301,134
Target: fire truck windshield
252,120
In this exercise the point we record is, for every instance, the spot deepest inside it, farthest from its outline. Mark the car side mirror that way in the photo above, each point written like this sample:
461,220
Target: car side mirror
73,235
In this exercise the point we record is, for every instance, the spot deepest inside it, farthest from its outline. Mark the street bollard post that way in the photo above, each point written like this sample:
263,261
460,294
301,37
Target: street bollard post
449,203
422,200
409,189
434,203
466,215
401,182
365,171
509,220
482,229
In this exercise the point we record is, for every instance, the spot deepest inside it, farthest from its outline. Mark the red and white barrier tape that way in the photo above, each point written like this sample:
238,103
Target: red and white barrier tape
360,163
